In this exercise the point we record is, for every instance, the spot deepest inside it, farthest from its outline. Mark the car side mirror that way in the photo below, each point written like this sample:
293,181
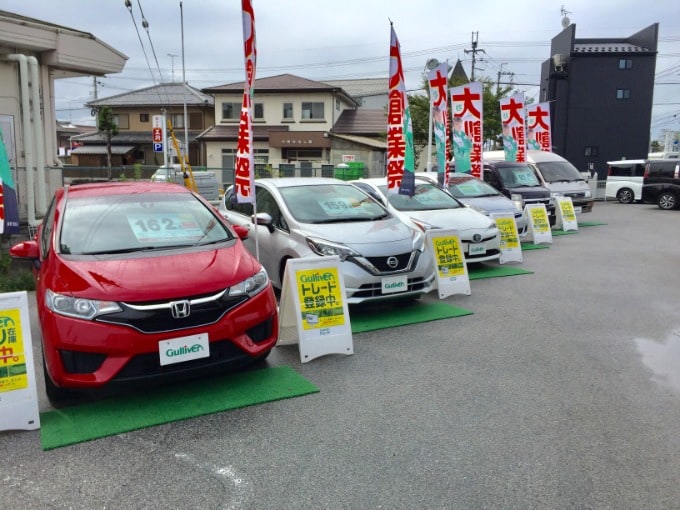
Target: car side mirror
266,220
241,231
25,250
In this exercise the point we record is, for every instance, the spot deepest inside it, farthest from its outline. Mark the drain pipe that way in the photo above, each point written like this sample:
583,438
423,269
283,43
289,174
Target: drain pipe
39,137
28,135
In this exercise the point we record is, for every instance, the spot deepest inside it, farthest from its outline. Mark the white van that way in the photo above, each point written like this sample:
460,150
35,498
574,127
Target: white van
624,180
558,175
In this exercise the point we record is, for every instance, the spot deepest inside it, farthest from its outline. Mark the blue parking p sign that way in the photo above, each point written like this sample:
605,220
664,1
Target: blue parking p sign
158,147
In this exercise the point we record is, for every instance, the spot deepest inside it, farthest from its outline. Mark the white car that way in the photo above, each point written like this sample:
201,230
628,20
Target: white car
315,217
432,207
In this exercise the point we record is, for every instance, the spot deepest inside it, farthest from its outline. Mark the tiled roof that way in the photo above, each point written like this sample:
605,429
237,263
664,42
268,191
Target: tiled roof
361,122
280,83
230,132
129,137
608,47
165,94
363,140
361,88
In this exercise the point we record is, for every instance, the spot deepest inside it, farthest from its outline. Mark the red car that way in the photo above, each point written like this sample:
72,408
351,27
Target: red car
144,281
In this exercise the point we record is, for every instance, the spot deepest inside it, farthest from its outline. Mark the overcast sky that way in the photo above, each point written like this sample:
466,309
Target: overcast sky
324,39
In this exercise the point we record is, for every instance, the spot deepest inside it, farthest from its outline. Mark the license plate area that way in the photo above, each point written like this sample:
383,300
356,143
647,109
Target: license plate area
394,284
185,348
476,249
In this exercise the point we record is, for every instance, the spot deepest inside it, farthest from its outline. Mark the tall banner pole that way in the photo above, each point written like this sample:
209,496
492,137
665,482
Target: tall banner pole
438,81
244,178
400,154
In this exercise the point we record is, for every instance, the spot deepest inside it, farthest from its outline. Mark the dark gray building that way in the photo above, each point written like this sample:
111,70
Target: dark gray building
600,93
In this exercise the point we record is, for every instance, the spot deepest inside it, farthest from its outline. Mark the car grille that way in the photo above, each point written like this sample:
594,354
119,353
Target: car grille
575,195
489,253
379,265
371,290
157,317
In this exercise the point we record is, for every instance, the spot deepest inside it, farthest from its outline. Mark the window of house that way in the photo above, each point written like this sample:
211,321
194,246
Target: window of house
625,63
287,111
622,93
261,155
591,151
143,117
231,111
177,120
312,111
122,120
258,111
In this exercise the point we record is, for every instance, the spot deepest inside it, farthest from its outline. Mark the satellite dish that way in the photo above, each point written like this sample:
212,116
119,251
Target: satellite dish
432,63
565,22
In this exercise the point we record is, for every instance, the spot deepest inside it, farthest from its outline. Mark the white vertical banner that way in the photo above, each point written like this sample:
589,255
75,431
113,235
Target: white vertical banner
313,310
467,110
18,391
513,121
565,214
511,248
538,127
449,259
538,224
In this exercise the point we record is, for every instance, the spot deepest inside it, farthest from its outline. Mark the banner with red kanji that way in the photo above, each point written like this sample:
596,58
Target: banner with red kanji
244,175
400,154
467,109
539,135
513,128
438,82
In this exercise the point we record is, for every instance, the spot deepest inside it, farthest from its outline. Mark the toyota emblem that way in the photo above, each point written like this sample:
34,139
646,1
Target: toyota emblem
477,237
392,262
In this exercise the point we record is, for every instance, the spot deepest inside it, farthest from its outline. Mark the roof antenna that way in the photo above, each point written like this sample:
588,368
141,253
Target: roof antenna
565,20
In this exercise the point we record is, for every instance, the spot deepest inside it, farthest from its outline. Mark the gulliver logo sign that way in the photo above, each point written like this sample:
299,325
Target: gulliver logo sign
12,361
320,298
177,350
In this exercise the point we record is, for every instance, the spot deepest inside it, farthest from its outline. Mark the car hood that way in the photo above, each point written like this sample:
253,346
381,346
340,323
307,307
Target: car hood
460,219
362,233
147,277
495,204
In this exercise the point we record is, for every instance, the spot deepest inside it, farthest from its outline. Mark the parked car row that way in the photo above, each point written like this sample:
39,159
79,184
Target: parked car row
655,181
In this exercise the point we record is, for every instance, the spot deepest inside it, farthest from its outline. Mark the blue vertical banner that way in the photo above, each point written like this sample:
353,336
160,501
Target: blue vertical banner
9,206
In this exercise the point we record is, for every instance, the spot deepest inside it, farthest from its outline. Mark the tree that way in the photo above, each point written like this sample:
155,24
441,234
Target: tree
106,124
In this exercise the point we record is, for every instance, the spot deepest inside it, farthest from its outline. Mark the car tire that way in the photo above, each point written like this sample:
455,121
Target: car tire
667,200
57,396
625,196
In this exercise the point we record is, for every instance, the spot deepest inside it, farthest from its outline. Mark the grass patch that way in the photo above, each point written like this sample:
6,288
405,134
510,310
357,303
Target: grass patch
14,276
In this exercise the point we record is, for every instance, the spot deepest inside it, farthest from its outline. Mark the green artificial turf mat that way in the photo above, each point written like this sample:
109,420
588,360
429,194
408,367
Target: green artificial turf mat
479,272
564,232
590,223
111,416
532,246
400,314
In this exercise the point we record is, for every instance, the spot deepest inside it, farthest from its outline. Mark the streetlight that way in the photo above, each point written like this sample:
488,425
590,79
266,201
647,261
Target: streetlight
429,66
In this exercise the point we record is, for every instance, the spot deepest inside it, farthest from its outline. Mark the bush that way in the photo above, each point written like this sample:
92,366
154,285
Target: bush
14,278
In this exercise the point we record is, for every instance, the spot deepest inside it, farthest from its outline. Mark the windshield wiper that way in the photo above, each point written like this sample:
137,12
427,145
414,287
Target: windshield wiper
341,220
133,250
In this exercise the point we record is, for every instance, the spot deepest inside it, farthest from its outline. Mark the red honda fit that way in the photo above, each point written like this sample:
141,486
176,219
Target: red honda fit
140,281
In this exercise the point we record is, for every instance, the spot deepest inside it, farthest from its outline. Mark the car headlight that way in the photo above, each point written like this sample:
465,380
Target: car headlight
587,194
327,248
422,225
479,209
250,286
418,240
517,200
80,308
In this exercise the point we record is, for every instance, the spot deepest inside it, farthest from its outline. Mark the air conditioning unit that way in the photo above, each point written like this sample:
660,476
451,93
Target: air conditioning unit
558,60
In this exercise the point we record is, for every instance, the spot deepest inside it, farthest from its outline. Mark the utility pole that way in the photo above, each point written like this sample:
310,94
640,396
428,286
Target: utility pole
474,52
94,82
502,73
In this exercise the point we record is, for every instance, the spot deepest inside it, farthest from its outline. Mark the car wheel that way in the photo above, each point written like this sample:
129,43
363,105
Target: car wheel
57,396
625,196
667,200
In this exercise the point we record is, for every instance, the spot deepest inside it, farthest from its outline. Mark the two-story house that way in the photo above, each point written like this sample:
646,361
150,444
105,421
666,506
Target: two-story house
134,112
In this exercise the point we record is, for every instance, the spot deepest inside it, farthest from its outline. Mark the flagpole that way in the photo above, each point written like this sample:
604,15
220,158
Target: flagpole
429,66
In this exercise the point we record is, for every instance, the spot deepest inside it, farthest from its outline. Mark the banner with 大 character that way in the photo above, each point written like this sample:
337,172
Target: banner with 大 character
9,206
513,127
313,311
467,109
400,155
244,174
539,136
438,82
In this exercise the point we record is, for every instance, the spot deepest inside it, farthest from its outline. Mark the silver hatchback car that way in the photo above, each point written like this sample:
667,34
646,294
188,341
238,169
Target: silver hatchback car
316,217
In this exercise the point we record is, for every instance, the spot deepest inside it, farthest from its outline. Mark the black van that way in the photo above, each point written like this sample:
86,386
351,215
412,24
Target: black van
518,180
661,183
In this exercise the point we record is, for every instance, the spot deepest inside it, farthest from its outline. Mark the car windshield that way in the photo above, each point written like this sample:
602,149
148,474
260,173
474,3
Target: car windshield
521,175
427,197
330,203
559,171
127,223
471,188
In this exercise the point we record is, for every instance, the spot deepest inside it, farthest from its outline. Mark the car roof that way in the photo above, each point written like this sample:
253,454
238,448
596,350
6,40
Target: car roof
627,162
284,182
503,163
123,188
379,181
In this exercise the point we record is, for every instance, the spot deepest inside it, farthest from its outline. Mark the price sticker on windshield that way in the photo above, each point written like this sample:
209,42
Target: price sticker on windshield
164,227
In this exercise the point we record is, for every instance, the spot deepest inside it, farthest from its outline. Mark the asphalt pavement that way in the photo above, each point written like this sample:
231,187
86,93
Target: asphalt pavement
561,391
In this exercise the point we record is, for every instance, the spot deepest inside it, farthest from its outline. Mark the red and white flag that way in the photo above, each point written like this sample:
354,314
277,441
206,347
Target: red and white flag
539,135
513,126
244,178
467,112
